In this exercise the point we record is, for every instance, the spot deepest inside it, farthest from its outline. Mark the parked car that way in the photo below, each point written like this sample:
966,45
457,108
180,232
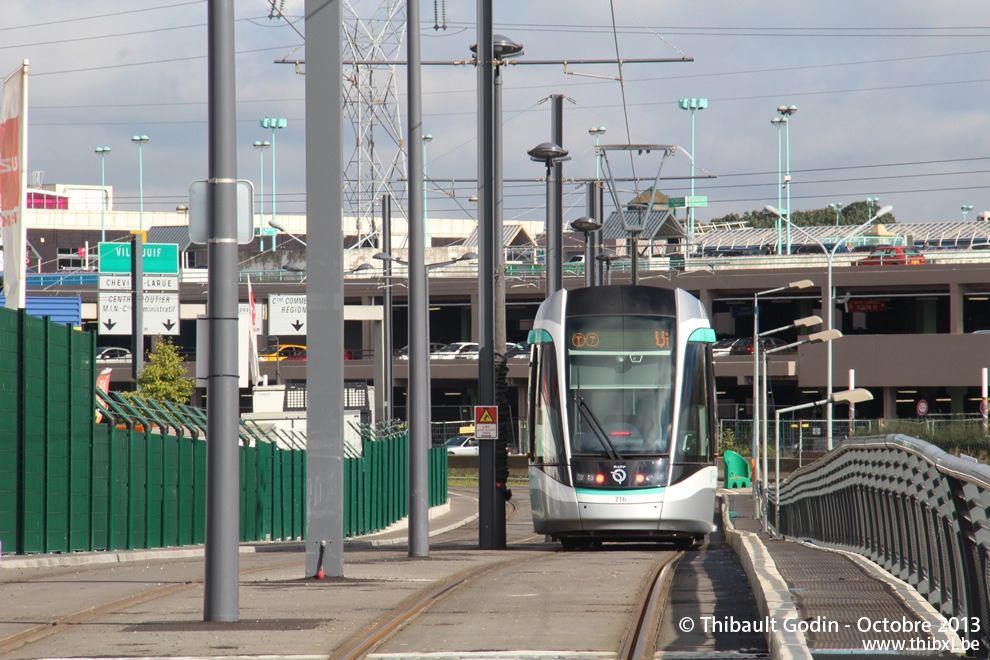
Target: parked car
458,349
520,350
745,345
284,352
893,256
113,355
403,353
462,445
814,248
724,346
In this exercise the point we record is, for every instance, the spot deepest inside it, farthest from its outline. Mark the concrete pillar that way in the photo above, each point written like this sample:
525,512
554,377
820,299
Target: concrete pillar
956,302
890,403
926,313
958,396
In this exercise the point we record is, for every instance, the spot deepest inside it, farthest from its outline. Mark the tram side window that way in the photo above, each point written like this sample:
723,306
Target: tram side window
546,422
694,435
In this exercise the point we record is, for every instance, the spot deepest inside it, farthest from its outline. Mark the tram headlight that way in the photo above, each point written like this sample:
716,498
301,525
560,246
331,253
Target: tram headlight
640,478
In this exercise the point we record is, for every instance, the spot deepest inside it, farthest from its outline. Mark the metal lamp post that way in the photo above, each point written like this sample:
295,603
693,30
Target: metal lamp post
827,307
787,111
871,202
814,338
754,450
139,140
778,122
587,226
966,209
274,124
550,154
261,146
103,151
838,208
805,322
598,133
277,224
692,105
426,221
852,397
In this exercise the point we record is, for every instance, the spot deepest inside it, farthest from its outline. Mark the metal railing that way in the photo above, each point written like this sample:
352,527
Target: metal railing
920,513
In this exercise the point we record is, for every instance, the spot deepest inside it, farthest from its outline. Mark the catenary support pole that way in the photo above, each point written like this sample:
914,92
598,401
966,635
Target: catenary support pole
324,289
222,565
418,412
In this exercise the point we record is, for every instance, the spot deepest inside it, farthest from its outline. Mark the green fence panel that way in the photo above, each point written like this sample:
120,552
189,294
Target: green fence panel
299,497
100,484
137,510
33,517
11,446
57,477
170,485
184,506
199,491
82,386
120,488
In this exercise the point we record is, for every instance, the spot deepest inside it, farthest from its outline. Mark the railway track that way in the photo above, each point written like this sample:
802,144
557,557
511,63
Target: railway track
638,641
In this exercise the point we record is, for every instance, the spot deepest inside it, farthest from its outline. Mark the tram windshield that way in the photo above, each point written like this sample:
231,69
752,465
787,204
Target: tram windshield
620,385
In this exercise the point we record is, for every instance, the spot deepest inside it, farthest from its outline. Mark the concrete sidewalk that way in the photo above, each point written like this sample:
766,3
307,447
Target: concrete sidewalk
829,594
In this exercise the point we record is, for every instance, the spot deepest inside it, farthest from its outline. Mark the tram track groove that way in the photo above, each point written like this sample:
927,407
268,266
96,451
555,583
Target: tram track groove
640,642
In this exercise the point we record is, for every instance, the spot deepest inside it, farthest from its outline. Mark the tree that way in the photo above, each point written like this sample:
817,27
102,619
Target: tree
162,379
855,213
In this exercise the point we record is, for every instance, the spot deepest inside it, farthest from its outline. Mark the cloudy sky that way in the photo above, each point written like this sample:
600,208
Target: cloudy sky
892,98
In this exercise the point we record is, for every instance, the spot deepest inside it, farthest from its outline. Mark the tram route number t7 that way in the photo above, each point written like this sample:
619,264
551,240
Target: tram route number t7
606,340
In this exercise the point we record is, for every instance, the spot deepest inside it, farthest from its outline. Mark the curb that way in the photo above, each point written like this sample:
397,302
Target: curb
772,596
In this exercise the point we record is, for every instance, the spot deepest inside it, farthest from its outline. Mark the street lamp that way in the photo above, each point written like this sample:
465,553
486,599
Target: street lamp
426,222
273,339
103,151
550,154
261,146
838,208
827,307
965,210
139,140
274,124
587,226
598,133
778,122
607,257
852,397
692,105
277,224
754,451
870,203
786,111
814,338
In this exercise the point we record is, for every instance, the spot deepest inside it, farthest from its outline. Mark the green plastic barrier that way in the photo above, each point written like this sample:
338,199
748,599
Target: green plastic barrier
736,470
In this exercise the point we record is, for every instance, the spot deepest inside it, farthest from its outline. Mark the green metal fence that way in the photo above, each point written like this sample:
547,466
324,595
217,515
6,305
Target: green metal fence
137,479
376,478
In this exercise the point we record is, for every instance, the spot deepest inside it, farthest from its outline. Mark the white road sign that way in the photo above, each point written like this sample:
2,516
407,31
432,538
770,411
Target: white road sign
110,282
161,313
286,315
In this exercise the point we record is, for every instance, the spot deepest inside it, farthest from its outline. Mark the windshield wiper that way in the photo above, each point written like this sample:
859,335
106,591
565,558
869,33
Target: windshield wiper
596,426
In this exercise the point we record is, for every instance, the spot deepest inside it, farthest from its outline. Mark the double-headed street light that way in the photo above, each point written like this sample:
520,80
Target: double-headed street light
103,151
754,452
274,124
827,306
871,203
838,209
814,338
139,140
786,111
598,132
966,209
852,397
692,105
261,145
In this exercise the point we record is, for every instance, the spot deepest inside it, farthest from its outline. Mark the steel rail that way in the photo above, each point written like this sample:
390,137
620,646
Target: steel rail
640,641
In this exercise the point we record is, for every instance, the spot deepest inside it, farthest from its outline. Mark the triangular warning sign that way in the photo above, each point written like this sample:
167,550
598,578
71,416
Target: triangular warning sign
486,417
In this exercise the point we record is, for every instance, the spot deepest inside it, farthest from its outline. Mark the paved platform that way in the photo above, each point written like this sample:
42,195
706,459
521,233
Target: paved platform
819,600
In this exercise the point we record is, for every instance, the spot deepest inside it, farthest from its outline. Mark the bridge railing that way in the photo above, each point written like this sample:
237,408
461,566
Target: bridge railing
920,513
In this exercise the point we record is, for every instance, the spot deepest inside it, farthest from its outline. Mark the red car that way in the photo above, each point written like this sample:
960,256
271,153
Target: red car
889,255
